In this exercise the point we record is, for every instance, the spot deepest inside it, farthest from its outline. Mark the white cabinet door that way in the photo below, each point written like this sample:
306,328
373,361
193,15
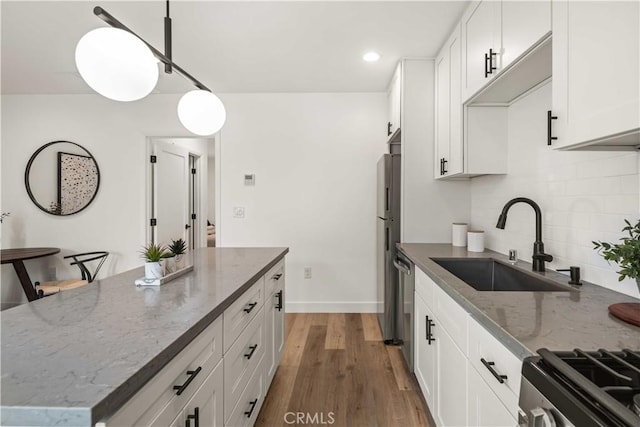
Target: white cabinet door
442,111
205,407
451,383
394,98
449,143
596,53
481,33
425,353
485,409
523,24
278,327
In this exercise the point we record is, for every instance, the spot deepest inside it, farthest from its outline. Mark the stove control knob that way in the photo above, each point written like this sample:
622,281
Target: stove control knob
540,417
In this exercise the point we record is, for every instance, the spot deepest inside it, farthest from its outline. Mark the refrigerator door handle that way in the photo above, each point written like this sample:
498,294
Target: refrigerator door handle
404,269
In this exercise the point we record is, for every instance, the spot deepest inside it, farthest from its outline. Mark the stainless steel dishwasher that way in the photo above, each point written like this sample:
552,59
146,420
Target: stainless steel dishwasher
406,283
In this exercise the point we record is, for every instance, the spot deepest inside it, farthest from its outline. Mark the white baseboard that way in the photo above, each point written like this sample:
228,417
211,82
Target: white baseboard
330,307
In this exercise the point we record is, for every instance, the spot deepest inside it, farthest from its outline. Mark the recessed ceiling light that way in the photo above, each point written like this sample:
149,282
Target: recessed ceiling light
371,56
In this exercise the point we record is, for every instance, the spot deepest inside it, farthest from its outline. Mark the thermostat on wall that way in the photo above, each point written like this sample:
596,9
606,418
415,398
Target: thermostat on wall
249,179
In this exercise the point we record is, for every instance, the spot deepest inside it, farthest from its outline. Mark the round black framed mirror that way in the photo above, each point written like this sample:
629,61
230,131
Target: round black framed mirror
62,178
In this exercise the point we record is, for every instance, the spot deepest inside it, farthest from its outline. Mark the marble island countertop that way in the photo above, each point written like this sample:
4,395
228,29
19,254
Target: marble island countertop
528,321
72,359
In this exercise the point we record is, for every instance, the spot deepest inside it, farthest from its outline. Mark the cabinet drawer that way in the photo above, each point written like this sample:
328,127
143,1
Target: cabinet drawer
484,346
241,360
158,395
425,287
451,317
246,411
238,315
273,277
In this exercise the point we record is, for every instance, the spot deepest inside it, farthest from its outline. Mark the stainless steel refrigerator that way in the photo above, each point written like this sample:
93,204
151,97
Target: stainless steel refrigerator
388,234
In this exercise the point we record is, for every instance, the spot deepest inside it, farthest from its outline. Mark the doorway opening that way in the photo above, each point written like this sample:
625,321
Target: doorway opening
178,190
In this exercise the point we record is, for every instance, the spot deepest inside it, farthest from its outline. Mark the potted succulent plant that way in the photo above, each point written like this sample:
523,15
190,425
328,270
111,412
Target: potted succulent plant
153,254
178,248
626,253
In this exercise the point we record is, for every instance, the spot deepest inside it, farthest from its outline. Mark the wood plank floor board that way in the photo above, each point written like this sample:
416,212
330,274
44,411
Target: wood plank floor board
360,384
335,332
371,327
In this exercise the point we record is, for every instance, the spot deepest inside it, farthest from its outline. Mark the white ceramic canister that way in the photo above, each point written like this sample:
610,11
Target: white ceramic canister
475,241
459,234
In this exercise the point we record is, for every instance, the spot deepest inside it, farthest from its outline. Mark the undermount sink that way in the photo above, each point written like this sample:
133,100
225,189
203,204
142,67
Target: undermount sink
488,274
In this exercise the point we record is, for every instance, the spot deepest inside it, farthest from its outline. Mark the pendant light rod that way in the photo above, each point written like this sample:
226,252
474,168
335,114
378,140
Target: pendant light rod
167,41
111,20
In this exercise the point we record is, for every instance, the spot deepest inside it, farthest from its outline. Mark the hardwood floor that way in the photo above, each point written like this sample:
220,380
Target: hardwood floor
336,370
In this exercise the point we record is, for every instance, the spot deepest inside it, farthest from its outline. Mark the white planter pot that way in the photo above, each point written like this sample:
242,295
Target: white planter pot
179,261
152,270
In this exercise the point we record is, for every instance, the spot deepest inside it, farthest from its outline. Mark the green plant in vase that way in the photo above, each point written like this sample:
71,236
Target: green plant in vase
154,253
626,253
177,249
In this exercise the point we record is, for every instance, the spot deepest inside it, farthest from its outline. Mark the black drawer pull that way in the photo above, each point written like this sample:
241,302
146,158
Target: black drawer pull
253,406
489,366
388,128
192,375
250,307
253,349
195,417
279,304
277,276
550,117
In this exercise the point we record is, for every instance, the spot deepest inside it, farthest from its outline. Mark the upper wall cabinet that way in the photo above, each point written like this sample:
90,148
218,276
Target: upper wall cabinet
394,98
596,50
448,114
495,34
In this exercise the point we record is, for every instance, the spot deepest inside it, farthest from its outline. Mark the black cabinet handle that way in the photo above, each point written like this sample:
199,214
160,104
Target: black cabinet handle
195,417
250,354
250,307
549,118
486,65
489,366
444,166
277,276
279,304
253,406
429,336
388,128
183,387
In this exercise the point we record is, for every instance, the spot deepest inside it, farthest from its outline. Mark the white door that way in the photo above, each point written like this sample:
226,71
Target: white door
451,385
171,192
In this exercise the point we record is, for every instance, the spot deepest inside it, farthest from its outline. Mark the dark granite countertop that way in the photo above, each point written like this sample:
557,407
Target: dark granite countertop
528,321
73,359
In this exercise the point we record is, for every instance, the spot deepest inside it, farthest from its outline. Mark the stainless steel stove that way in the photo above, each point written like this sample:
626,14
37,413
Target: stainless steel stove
581,388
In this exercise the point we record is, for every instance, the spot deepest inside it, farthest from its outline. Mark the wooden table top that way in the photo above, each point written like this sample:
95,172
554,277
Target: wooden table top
19,254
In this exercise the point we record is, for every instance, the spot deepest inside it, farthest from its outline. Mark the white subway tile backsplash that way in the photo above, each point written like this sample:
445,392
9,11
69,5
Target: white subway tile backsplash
584,196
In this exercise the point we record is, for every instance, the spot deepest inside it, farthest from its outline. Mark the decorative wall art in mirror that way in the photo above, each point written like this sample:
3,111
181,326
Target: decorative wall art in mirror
62,178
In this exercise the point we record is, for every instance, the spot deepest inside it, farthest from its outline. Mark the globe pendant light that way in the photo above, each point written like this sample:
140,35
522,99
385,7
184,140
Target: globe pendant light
201,112
116,64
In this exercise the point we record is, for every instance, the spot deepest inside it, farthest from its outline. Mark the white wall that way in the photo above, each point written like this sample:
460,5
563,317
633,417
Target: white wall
115,133
314,157
584,196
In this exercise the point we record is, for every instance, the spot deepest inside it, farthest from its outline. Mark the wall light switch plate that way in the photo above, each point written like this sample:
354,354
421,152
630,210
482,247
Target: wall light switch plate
307,272
238,212
249,179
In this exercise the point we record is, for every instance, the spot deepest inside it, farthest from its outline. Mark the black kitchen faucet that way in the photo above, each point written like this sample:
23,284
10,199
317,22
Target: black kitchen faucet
539,257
